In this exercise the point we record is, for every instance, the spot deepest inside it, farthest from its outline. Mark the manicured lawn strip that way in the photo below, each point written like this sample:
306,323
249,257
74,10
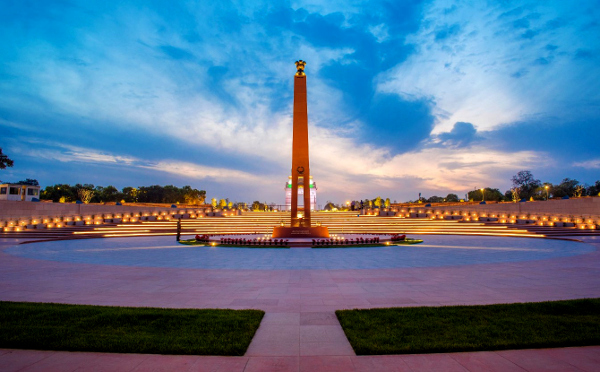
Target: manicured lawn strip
407,241
253,246
370,245
193,242
472,328
44,326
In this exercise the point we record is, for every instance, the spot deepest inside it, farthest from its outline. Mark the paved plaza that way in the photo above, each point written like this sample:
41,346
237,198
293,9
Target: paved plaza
299,289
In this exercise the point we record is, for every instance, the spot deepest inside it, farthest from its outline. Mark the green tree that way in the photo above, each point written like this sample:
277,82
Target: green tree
85,195
150,194
222,203
567,187
435,199
377,202
107,194
493,194
453,198
526,183
84,192
144,194
594,190
130,194
5,161
387,202
515,194
29,181
330,206
172,194
543,192
213,202
489,193
193,196
58,191
579,191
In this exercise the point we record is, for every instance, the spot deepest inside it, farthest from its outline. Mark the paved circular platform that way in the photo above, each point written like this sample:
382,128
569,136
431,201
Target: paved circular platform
435,251
299,294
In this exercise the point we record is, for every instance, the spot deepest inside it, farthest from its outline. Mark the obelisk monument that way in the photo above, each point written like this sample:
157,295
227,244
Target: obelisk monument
300,223
300,161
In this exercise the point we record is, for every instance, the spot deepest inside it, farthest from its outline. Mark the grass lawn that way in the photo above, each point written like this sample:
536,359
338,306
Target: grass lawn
470,328
43,326
192,242
217,244
371,245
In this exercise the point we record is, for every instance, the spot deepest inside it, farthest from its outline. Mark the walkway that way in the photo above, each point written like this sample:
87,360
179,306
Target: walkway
300,331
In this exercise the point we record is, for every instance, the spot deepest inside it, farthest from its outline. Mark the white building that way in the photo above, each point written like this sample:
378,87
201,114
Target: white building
18,192
288,194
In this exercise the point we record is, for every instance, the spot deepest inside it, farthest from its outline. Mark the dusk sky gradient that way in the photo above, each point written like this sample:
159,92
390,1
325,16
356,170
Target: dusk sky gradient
404,97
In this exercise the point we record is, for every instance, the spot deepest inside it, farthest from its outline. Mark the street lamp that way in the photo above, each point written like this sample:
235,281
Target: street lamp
546,187
482,195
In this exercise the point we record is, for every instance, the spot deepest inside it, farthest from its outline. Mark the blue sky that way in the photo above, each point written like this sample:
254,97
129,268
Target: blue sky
403,97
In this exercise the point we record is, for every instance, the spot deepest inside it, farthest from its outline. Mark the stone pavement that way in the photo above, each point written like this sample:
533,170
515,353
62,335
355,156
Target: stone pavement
300,331
563,359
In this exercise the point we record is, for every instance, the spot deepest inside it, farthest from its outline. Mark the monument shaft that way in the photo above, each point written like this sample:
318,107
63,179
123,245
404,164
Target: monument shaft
300,226
300,162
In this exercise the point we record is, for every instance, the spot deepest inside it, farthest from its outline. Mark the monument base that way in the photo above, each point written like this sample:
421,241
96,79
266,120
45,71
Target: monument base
300,232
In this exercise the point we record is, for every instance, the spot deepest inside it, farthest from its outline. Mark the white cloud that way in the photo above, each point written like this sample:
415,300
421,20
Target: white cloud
30,147
380,32
331,6
196,171
133,84
342,167
471,74
113,72
590,164
68,153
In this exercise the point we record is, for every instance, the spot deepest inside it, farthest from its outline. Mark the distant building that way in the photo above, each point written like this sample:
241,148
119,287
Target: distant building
19,192
288,194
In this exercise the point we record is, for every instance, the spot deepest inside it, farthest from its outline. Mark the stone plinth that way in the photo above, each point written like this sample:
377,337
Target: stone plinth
300,232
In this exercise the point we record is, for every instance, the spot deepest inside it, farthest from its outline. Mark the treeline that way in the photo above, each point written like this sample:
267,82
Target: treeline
526,187
226,204
89,193
353,205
